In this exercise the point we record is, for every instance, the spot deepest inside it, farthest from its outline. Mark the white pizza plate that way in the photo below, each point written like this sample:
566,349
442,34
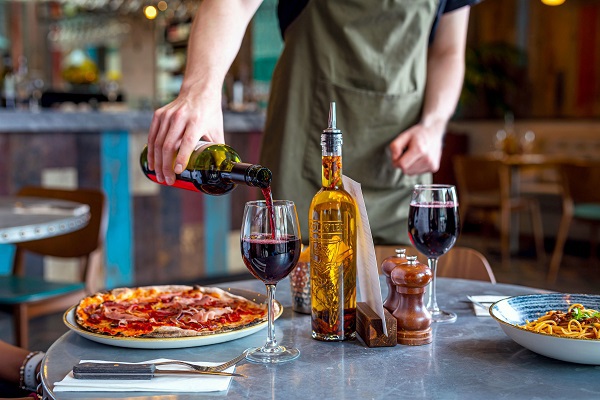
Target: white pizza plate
174,343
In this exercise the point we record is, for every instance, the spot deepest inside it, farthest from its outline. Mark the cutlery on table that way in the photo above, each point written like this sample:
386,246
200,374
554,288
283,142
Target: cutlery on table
215,368
116,371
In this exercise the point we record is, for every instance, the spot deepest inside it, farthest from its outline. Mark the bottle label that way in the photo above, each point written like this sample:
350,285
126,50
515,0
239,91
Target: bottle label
201,144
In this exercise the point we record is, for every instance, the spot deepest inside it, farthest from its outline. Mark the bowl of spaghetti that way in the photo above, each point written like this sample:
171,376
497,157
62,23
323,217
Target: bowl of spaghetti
557,325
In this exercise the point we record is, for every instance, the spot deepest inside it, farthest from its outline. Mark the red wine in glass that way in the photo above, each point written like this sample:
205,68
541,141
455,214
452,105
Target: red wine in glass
433,227
269,259
270,246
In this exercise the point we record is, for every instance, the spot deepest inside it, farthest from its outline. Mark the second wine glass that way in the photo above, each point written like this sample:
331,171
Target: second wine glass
270,244
433,228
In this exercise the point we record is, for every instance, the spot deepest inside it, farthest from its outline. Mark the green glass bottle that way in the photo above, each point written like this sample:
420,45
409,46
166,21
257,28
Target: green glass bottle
214,169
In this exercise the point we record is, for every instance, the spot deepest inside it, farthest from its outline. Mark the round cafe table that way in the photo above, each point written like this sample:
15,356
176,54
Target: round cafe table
469,359
31,218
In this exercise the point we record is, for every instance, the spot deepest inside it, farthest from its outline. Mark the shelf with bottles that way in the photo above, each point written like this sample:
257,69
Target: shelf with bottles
20,88
178,33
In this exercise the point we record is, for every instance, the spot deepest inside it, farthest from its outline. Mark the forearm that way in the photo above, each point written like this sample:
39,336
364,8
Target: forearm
14,357
418,149
217,32
445,69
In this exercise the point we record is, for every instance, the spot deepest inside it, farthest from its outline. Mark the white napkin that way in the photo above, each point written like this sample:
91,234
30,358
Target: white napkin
368,275
485,300
162,383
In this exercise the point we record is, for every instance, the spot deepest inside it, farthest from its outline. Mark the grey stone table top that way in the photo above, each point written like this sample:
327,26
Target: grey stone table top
469,359
97,121
31,218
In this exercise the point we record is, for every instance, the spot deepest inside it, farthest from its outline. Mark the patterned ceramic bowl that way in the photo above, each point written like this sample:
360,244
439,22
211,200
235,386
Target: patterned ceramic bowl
515,311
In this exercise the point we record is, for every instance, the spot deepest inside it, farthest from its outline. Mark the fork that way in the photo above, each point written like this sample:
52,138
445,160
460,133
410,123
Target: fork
202,368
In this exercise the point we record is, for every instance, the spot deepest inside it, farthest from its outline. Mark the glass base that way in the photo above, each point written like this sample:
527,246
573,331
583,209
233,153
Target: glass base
279,354
442,316
332,337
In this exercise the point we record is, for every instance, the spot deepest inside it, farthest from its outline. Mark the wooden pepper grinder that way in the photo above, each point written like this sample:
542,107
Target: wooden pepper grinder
391,302
414,321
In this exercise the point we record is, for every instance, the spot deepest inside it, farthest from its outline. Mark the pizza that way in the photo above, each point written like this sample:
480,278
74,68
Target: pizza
167,312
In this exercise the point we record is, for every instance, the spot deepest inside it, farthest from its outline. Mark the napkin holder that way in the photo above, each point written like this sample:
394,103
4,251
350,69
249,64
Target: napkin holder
369,327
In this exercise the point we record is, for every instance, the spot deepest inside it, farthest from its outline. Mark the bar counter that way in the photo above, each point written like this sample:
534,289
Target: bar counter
99,121
469,359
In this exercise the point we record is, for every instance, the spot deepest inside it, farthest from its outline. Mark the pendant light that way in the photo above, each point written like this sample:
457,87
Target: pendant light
553,2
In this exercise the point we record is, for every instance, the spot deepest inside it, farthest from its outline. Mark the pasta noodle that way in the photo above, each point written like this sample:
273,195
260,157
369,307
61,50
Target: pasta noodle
578,322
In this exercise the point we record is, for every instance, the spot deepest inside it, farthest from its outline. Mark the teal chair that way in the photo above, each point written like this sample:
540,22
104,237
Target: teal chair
26,297
580,202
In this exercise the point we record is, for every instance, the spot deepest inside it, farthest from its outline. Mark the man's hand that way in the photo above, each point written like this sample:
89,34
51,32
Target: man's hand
176,129
418,149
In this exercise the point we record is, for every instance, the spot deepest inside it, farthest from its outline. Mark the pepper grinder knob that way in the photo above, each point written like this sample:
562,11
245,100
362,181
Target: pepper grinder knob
391,302
414,320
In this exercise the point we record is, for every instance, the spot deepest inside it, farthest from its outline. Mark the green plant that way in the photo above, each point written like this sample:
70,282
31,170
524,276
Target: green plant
495,81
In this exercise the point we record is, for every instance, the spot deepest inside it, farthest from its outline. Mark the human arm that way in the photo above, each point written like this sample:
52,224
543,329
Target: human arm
215,39
14,359
418,149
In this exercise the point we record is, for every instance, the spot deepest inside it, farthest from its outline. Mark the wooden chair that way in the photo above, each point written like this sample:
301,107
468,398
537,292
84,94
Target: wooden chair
486,184
459,262
465,263
581,202
26,296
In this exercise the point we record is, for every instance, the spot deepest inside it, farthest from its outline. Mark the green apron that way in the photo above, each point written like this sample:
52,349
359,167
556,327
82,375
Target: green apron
369,56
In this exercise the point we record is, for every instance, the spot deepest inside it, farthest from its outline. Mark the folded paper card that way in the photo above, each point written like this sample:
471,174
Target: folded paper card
166,383
368,278
481,304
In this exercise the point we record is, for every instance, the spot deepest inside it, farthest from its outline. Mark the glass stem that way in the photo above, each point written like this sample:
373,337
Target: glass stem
432,305
271,342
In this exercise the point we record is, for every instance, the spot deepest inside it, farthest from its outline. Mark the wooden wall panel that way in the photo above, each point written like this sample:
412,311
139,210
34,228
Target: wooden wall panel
493,21
563,52
551,69
587,93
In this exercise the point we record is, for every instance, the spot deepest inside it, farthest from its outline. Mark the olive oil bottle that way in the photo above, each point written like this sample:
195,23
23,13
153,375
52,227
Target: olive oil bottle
332,241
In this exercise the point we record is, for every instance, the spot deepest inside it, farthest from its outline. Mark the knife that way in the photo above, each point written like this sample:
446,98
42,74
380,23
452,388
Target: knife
114,371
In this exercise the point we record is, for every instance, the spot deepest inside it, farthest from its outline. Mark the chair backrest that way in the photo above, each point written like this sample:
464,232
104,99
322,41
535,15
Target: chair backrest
85,244
580,181
459,262
477,175
465,263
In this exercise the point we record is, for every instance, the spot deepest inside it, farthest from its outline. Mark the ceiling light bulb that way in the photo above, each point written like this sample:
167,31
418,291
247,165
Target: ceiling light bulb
150,12
553,2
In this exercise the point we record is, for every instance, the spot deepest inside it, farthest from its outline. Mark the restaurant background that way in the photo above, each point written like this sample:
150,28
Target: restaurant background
537,63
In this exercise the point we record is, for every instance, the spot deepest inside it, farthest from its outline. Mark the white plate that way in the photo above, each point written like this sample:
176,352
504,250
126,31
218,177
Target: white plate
174,343
514,311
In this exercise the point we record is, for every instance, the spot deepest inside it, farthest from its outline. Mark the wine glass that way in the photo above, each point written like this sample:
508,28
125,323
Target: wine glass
270,243
433,228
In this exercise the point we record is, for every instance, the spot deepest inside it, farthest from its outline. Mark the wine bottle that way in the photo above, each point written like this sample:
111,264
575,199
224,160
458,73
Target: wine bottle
214,169
332,241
